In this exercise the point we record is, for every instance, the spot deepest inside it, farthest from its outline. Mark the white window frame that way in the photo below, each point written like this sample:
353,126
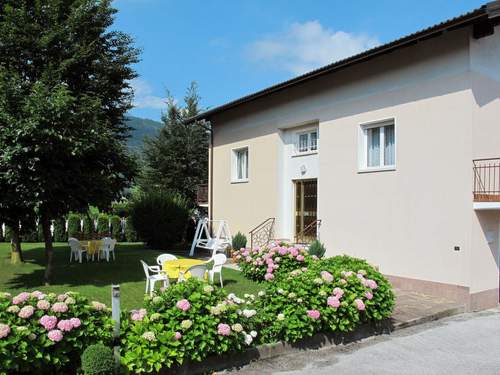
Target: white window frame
363,145
308,132
234,165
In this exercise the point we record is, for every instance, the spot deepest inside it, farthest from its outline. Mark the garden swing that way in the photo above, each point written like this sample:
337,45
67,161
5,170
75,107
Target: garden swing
203,236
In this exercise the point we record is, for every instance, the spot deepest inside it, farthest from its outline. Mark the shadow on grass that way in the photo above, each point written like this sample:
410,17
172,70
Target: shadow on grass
126,267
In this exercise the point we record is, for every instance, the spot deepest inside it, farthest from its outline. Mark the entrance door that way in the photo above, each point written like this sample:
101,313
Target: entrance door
306,206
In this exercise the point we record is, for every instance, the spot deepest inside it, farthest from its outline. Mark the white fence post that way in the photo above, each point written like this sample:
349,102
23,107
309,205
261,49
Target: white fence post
115,315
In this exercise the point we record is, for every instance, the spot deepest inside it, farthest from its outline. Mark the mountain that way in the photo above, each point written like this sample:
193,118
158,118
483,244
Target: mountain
141,128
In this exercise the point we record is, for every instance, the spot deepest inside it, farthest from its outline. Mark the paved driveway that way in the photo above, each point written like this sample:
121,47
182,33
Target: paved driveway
465,344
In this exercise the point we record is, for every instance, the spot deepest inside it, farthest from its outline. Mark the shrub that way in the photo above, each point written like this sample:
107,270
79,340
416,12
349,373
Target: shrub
271,261
188,321
88,226
239,241
60,230
121,208
98,359
2,239
116,227
335,294
39,233
317,248
74,229
47,333
103,224
159,218
130,233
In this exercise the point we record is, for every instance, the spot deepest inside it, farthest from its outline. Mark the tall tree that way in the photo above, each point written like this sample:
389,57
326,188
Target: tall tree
177,159
63,94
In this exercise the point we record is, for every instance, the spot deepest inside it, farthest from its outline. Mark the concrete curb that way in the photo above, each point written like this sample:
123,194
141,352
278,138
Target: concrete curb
318,341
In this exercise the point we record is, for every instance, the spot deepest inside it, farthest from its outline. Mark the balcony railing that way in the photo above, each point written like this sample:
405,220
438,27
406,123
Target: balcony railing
486,180
202,195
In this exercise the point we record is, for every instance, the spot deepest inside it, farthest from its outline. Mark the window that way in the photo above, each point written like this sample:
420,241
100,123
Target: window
379,146
307,142
240,165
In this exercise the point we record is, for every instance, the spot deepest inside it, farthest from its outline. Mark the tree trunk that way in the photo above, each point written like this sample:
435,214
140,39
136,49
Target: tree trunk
15,244
49,250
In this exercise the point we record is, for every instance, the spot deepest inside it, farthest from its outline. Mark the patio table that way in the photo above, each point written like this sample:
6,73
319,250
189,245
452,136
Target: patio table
173,268
92,246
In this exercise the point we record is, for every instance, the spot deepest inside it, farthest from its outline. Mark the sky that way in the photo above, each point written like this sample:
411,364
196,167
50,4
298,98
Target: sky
232,48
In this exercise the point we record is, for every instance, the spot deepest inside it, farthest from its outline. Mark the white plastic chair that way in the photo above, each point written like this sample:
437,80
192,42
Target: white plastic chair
76,250
219,260
108,247
152,279
198,272
164,258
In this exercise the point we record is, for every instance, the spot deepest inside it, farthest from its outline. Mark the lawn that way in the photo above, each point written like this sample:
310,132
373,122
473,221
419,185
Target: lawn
93,279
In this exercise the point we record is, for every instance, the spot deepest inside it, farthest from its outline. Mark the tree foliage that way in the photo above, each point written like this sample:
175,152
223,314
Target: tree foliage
177,159
64,90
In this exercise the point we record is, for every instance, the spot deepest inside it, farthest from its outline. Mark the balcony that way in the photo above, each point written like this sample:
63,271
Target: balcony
202,195
486,191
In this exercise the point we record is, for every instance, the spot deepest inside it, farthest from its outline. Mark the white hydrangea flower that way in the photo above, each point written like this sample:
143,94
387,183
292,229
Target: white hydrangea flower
261,293
253,334
281,317
247,313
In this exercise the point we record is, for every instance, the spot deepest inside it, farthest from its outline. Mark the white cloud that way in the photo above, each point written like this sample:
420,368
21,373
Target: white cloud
307,46
143,95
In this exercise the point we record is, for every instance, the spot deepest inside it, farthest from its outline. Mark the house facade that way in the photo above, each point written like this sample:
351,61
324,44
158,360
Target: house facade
382,155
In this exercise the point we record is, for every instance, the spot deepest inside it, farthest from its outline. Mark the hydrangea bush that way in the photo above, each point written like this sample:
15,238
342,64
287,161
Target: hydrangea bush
331,295
272,261
187,321
46,333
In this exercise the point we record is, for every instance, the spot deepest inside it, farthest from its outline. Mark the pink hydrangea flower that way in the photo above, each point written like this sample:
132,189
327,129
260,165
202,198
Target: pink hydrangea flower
62,297
268,276
282,251
343,281
59,307
4,330
270,270
26,312
183,305
75,322
338,292
248,259
65,325
368,295
177,336
245,253
372,284
20,298
55,335
48,322
37,294
138,315
223,329
300,258
359,304
347,273
43,304
333,302
325,275
314,314
293,251
360,276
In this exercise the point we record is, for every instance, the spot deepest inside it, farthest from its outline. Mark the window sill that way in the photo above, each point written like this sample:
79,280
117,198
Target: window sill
239,181
377,169
308,153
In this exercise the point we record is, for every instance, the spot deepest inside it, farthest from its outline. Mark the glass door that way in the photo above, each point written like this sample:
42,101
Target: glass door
306,203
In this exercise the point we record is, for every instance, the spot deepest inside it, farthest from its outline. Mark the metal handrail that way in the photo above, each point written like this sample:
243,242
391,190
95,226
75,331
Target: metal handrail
315,224
257,234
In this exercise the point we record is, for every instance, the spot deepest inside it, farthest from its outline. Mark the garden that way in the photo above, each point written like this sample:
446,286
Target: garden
285,293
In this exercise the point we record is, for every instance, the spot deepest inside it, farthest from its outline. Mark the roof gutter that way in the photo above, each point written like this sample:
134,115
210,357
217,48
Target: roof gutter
490,11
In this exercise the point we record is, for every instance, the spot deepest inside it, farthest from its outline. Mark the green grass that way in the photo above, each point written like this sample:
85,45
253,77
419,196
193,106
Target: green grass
94,279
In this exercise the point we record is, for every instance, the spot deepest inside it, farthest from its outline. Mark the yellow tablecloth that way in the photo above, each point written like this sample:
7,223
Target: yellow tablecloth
92,246
174,267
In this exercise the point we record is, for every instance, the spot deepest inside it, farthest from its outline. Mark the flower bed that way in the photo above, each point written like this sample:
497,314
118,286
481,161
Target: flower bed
46,333
272,261
332,295
188,321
